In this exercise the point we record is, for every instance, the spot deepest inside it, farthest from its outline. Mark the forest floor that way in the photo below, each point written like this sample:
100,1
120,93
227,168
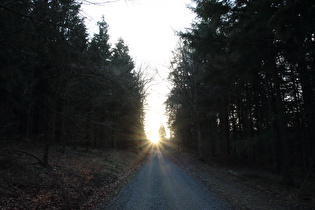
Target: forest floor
76,179
80,179
246,187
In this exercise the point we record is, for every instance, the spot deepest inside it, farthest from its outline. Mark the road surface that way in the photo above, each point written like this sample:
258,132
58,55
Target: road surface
160,184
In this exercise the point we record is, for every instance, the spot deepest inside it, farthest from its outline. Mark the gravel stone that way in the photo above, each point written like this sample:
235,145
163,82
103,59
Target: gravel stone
160,184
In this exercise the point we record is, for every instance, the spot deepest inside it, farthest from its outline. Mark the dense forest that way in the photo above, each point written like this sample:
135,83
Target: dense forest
58,86
244,83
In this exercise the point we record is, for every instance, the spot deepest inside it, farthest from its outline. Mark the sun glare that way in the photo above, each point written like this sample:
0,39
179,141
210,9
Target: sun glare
154,138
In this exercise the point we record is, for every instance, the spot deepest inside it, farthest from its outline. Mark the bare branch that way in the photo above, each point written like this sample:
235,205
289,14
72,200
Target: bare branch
18,52
27,153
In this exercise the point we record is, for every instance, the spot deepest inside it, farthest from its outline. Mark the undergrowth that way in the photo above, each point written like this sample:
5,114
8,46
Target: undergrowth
73,180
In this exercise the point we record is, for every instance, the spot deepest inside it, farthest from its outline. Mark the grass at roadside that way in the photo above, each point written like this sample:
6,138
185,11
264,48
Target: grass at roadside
74,180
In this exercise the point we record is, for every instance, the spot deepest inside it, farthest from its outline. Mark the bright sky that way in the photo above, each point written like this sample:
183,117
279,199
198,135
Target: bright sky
148,28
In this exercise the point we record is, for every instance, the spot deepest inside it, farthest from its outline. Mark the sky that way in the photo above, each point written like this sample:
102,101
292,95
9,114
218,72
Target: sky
149,28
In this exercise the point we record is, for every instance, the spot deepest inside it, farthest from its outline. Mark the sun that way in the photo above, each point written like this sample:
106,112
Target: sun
154,138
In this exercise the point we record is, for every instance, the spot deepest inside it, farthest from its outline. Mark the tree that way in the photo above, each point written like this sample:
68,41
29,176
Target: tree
162,133
252,96
121,62
54,82
99,48
131,96
50,31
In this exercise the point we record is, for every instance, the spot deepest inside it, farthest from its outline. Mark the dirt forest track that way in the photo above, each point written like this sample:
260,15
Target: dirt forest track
160,184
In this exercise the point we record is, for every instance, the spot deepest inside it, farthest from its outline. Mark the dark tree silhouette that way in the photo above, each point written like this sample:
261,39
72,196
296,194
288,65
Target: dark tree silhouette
57,87
244,83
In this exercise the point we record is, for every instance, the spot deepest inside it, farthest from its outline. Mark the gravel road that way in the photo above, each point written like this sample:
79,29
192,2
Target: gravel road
160,184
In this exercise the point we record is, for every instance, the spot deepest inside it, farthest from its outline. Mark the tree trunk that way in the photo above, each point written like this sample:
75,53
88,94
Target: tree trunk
224,129
51,129
29,126
50,135
63,128
286,171
309,104
200,142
